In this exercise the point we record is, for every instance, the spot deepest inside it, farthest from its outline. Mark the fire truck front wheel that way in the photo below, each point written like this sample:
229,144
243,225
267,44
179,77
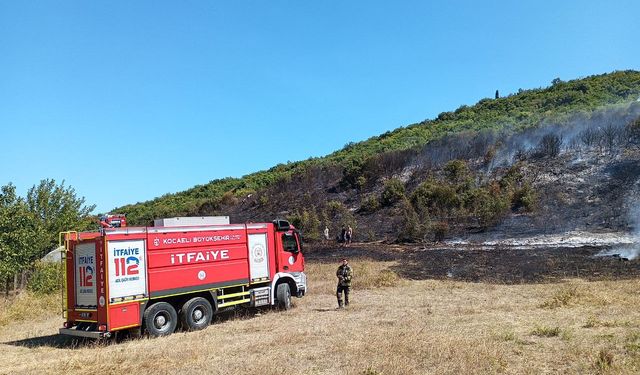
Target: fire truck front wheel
283,296
196,314
160,319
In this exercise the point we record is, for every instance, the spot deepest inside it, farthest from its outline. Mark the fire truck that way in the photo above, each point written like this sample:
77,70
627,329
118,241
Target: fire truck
178,273
113,221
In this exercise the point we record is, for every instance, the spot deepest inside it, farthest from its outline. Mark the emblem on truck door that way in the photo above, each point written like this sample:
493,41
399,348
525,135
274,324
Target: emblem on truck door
258,253
202,275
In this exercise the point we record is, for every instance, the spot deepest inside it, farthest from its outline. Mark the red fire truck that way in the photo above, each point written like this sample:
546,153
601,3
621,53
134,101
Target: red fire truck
155,279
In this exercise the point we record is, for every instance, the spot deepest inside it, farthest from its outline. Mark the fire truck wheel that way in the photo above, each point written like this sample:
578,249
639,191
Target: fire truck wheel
283,296
160,319
196,314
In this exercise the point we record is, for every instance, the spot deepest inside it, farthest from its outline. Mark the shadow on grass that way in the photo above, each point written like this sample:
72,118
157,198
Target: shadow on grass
59,341
53,341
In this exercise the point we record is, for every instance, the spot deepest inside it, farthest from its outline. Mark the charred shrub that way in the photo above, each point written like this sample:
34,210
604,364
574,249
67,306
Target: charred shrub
632,132
393,192
549,146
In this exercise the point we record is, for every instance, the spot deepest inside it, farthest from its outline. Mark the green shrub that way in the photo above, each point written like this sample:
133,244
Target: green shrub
439,197
46,278
370,204
546,331
410,228
487,204
456,170
525,198
393,191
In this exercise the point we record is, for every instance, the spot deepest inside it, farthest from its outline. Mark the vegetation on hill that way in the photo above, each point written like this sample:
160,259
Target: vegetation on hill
526,109
29,229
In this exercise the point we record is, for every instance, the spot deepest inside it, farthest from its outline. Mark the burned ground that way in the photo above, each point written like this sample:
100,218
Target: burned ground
495,265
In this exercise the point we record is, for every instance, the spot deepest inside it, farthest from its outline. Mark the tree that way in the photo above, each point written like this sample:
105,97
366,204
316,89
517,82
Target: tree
21,236
57,209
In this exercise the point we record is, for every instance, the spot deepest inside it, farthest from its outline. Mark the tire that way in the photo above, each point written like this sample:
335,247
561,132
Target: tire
196,314
283,296
160,319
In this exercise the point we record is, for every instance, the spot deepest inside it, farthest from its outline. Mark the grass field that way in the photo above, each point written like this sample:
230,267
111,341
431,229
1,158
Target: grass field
393,326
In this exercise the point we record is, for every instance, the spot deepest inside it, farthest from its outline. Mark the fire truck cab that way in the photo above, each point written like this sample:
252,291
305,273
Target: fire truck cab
156,279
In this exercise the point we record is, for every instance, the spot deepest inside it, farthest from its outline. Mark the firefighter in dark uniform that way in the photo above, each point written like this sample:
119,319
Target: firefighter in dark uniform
344,274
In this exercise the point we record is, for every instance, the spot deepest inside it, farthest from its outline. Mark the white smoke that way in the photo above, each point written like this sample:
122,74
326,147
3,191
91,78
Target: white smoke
624,253
629,251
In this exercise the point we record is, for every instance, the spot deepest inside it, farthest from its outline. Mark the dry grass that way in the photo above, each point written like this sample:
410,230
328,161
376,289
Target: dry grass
394,326
28,307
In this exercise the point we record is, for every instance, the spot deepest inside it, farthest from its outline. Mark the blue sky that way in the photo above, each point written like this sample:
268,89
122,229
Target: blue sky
129,100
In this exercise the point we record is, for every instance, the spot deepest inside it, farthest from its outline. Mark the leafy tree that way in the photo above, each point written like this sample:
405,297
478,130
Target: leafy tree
21,236
57,208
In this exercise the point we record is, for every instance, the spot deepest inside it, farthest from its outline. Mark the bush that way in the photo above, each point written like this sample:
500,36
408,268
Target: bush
488,205
370,204
440,231
308,222
393,191
456,170
46,278
437,196
410,228
525,198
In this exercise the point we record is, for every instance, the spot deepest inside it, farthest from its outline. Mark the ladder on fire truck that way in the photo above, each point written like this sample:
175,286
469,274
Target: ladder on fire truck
63,245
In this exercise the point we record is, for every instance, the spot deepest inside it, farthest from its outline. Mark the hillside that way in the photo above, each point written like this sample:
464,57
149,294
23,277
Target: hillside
469,170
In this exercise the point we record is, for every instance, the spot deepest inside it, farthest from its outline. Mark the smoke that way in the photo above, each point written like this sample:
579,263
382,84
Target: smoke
629,251
623,253
603,130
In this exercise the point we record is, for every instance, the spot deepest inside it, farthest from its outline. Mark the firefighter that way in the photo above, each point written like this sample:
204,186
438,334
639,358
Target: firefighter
344,274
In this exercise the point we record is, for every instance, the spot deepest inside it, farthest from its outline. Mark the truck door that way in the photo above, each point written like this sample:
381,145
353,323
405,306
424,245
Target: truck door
290,259
258,256
85,275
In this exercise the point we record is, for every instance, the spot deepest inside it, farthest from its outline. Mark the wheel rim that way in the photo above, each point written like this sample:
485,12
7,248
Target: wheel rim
160,322
198,314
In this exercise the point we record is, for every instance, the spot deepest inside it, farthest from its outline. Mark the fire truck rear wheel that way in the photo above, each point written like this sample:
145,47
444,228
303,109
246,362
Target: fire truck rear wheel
283,296
160,319
196,314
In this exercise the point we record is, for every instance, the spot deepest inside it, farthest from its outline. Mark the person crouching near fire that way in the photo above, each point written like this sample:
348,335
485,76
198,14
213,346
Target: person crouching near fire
344,274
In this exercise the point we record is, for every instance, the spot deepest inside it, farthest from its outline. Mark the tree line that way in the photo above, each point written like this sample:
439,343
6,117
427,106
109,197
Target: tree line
30,226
